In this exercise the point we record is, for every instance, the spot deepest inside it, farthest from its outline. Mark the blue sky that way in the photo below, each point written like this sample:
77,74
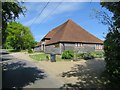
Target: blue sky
57,13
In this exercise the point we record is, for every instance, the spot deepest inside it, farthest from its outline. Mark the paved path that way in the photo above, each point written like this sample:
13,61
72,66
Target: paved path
25,73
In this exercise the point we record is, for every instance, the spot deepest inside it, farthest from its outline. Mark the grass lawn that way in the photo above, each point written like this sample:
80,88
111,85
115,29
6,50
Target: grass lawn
44,57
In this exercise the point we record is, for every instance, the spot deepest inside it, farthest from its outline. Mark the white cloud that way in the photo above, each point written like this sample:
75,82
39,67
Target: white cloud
49,11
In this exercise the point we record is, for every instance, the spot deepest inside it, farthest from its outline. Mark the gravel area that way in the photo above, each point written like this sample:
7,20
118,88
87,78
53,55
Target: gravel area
86,72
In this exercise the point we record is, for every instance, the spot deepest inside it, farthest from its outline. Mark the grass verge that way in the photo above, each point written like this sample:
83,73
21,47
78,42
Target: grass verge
44,57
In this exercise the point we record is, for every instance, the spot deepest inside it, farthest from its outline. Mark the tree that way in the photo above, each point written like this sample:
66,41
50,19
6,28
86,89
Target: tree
10,11
18,36
113,7
112,43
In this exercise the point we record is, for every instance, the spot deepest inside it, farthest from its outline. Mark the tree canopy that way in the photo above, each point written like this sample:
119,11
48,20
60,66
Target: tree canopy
18,36
10,11
113,7
112,44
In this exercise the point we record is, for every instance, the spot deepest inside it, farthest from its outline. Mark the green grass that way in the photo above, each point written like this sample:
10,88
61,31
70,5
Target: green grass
40,57
58,58
44,57
12,50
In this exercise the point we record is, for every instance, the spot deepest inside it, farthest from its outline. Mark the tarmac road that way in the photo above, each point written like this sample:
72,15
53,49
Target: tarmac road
22,73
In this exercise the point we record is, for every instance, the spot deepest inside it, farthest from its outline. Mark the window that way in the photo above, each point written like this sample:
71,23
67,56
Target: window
98,46
78,44
81,44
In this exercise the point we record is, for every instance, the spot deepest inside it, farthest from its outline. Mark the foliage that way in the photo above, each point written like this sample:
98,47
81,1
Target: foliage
18,36
112,44
112,55
10,11
98,54
36,42
47,57
68,54
41,50
113,7
88,56
80,55
85,56
30,50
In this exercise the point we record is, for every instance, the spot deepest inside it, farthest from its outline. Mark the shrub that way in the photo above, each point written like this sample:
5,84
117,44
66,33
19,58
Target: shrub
68,54
41,50
112,56
47,57
87,56
97,54
80,55
30,50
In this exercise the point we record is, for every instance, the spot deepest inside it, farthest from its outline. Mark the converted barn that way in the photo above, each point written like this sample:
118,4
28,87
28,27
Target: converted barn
69,36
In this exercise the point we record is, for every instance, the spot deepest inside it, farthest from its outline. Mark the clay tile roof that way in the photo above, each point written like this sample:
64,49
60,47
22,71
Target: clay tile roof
71,32
38,44
52,32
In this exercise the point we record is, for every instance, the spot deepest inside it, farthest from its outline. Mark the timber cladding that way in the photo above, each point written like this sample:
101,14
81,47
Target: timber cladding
69,36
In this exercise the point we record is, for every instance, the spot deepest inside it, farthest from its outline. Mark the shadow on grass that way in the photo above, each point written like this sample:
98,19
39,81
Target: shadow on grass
88,75
13,50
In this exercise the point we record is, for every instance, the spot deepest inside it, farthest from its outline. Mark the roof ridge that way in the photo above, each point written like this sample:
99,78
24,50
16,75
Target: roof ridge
88,32
64,25
70,31
51,31
83,29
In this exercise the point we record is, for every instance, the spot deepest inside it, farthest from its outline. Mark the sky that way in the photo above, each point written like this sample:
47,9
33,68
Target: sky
56,13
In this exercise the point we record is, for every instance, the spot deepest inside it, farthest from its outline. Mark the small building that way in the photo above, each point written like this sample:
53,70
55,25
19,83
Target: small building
69,36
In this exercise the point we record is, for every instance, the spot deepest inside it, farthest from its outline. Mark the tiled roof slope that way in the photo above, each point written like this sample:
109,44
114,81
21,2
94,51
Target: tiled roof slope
71,32
38,44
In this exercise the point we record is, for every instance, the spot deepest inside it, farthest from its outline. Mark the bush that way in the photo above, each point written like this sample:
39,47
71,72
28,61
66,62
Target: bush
112,56
97,54
41,50
80,55
47,57
68,54
30,50
85,56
